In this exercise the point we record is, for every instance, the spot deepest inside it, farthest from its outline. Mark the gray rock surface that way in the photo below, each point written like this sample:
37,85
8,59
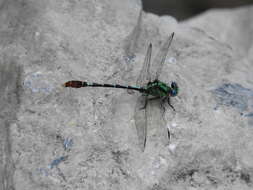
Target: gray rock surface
58,138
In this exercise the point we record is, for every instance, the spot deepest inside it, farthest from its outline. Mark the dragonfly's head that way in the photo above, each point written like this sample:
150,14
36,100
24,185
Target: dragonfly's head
174,89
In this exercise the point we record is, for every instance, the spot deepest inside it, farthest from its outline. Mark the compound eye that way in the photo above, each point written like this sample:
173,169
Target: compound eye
174,88
173,85
174,93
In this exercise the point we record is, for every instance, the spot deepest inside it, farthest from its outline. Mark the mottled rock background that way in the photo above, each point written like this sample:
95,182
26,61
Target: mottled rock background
58,138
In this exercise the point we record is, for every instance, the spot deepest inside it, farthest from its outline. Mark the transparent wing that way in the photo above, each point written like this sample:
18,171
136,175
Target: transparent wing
140,115
140,118
155,115
131,41
144,76
158,62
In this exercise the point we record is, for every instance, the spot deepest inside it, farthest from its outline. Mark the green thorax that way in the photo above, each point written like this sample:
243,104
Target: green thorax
157,89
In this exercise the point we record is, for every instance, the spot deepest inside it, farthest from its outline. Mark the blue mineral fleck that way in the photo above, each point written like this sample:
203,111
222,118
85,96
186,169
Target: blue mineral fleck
38,83
68,142
57,161
249,115
42,171
234,95
129,58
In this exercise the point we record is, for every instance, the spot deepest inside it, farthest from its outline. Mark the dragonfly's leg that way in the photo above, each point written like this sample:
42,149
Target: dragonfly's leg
163,107
170,104
162,104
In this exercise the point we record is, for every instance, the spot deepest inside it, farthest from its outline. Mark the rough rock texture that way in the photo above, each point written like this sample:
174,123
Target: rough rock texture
58,138
231,26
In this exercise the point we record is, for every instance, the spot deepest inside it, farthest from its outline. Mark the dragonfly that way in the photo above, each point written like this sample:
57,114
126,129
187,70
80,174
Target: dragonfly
150,87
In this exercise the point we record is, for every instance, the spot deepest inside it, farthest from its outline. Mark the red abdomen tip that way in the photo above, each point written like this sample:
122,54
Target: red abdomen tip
73,84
